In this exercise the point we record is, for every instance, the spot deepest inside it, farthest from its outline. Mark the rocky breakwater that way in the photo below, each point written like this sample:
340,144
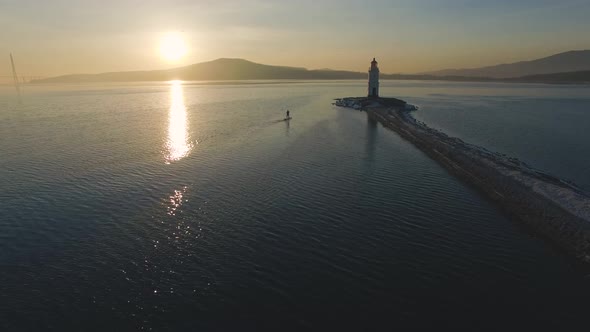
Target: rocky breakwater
556,209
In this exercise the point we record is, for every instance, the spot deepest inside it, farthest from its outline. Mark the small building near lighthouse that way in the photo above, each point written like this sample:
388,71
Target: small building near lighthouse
373,79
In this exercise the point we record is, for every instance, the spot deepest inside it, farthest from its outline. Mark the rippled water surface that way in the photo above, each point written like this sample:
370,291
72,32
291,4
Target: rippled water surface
181,206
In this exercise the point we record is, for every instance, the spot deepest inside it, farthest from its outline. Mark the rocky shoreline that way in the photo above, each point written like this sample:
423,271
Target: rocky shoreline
556,209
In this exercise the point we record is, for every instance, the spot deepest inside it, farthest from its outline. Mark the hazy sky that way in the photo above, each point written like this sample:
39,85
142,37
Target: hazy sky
51,37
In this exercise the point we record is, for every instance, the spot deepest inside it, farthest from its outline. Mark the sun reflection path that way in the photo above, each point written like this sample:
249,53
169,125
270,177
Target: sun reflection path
175,201
178,145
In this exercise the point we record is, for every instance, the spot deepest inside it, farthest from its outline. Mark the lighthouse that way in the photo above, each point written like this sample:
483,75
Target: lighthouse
374,79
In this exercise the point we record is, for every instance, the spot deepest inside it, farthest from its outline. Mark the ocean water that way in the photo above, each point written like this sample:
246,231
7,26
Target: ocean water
188,206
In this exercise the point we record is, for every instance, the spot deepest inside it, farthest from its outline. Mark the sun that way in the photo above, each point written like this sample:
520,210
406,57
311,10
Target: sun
172,47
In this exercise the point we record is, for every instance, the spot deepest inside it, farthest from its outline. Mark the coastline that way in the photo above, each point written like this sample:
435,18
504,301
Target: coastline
556,209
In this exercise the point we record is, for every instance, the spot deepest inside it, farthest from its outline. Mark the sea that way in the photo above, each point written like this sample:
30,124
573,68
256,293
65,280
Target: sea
193,206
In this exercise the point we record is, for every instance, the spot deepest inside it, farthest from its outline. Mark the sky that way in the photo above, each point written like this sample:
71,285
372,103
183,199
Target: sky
55,37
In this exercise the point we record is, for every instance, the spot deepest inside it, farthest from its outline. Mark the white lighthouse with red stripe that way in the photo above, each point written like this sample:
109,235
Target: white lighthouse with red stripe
374,79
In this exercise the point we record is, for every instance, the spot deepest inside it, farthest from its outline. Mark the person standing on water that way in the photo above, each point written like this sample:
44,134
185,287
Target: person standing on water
287,114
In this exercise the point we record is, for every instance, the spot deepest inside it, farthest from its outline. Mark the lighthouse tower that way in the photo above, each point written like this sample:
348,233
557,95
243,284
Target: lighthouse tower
374,79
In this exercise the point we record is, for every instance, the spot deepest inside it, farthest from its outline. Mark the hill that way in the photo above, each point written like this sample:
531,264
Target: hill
568,77
220,69
240,69
563,62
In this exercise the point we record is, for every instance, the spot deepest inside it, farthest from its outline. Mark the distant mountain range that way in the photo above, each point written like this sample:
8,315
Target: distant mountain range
220,69
568,67
563,62
582,76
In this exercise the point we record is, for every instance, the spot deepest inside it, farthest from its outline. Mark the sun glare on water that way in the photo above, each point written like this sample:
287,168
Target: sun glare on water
172,47
178,144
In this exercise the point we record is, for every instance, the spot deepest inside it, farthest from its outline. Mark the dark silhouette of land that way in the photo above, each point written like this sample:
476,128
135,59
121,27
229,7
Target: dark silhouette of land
569,77
571,61
554,69
220,69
